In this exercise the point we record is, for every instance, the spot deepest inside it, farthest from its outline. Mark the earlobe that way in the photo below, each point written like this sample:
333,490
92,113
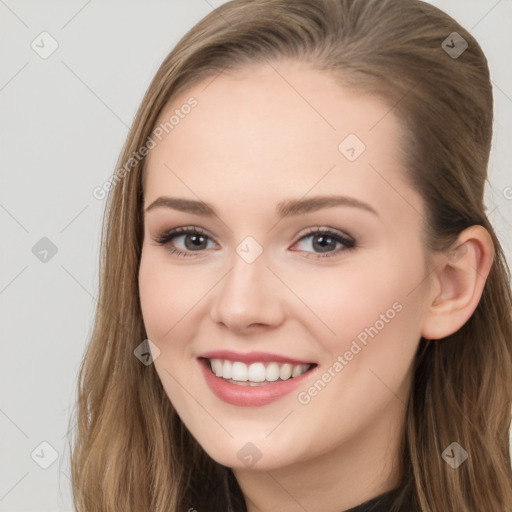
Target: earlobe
459,277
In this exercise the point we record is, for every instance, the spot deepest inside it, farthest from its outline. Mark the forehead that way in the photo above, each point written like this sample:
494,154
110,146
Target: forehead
276,130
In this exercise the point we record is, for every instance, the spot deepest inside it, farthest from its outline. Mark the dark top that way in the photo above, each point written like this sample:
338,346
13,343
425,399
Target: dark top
216,498
383,503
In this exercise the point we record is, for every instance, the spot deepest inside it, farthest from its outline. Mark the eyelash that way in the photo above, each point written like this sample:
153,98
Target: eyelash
164,239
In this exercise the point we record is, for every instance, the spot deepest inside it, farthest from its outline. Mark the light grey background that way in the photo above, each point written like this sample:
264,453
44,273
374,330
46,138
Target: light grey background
63,122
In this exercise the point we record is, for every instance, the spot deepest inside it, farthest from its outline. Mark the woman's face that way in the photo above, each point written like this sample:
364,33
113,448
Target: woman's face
308,266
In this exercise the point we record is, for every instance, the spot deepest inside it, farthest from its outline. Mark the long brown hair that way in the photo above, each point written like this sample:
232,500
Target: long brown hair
131,451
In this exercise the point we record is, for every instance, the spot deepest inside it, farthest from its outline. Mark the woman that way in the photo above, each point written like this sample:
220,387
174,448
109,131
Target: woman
303,305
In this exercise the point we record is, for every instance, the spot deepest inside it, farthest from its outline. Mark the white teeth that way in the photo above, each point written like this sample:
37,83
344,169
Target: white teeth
217,367
272,372
297,370
227,369
285,372
239,371
256,372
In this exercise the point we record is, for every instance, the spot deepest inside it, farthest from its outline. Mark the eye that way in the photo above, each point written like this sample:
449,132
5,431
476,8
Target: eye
194,240
325,241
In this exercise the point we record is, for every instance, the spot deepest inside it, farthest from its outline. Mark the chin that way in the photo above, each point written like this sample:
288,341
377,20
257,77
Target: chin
261,453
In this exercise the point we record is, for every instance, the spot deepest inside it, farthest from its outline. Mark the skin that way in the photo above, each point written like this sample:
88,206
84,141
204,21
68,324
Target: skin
257,137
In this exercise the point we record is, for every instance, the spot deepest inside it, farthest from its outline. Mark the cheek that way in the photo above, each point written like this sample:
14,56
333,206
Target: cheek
371,317
167,297
338,305
166,294
368,366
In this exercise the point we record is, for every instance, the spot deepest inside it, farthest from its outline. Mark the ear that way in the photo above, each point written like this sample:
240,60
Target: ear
458,282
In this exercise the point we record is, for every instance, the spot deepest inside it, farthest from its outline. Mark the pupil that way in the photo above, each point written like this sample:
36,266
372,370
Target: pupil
321,240
197,241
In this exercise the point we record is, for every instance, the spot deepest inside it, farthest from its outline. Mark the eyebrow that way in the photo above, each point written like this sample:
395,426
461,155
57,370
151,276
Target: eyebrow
287,208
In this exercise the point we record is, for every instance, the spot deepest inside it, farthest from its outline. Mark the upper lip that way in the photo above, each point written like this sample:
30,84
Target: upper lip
251,357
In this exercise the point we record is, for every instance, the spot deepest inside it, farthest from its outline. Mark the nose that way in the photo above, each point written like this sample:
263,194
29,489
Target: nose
248,298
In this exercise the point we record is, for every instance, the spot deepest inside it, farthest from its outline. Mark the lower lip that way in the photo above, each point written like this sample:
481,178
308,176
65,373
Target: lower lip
250,396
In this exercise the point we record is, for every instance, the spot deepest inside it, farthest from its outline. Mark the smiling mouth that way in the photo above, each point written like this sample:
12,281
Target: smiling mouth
257,373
